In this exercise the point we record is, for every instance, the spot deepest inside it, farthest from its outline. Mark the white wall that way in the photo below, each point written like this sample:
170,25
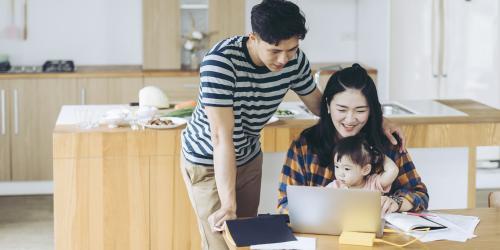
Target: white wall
99,32
374,40
331,26
91,32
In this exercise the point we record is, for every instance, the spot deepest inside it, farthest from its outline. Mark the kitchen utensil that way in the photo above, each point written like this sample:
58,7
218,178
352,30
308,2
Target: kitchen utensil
4,63
12,31
25,29
58,66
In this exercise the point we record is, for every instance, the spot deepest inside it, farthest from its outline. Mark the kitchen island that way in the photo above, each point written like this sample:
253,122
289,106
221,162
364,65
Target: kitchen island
121,188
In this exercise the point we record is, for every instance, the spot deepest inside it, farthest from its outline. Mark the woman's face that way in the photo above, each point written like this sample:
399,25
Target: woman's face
349,112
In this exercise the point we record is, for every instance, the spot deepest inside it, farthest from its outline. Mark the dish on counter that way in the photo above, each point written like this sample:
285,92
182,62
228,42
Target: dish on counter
273,119
163,122
286,113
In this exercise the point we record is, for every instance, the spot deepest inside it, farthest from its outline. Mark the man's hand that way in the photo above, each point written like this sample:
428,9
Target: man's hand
217,219
388,205
390,128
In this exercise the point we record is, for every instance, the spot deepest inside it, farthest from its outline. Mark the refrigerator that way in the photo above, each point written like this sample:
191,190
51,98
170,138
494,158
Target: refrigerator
445,49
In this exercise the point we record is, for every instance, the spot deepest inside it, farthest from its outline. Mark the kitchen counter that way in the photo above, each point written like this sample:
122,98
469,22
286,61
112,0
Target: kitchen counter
131,71
121,188
104,71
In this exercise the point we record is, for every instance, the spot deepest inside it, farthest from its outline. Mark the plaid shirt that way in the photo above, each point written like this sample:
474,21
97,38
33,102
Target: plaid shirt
302,168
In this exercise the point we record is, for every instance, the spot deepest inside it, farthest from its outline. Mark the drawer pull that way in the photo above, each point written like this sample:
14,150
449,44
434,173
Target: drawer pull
2,96
16,113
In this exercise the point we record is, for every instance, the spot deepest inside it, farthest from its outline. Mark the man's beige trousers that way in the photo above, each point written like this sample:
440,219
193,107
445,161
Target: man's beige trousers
202,190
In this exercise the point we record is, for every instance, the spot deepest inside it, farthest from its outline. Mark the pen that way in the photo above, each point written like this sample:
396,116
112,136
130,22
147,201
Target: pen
418,214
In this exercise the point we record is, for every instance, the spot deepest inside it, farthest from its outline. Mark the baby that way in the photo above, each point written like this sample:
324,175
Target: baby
359,165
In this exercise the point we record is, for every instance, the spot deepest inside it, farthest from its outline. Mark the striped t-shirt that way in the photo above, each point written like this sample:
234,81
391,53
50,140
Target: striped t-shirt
229,78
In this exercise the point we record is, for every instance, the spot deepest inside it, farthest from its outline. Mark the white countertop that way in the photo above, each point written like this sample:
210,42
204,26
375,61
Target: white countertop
427,108
419,108
74,114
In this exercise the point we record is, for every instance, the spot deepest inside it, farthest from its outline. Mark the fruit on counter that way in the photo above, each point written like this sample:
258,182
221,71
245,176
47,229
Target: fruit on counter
186,104
184,112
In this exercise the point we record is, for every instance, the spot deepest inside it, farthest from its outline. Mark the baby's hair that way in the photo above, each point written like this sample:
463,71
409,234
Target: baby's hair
360,152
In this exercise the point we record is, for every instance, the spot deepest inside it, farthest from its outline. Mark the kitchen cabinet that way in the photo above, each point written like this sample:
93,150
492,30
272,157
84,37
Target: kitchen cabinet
227,18
25,144
162,43
177,89
4,131
161,34
116,90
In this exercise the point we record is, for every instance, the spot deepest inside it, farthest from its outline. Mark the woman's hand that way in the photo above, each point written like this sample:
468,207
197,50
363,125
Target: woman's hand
217,219
388,205
390,128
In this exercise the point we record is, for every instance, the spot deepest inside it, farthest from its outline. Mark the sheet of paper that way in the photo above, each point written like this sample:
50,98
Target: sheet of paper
467,223
460,228
303,243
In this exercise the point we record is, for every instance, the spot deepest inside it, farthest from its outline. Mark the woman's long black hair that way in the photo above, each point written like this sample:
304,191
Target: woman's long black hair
322,137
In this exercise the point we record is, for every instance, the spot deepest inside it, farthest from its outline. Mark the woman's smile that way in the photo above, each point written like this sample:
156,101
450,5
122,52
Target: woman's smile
349,112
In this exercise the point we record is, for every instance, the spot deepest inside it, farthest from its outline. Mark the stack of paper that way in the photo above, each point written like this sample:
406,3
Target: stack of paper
459,228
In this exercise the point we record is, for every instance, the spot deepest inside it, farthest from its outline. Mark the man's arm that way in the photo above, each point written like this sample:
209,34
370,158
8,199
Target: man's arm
313,101
221,121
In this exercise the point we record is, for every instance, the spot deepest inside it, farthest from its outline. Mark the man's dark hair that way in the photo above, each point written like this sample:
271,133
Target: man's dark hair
277,20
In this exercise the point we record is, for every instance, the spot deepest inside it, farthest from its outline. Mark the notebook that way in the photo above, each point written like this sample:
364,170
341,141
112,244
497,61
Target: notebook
259,230
407,222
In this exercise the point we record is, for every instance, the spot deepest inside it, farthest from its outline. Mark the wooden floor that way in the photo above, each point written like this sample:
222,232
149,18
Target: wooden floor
26,222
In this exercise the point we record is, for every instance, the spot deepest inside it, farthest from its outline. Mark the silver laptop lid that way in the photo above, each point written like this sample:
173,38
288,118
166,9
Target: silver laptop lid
320,210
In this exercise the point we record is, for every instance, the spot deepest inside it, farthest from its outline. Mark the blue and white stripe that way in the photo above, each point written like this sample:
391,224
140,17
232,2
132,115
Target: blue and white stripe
230,79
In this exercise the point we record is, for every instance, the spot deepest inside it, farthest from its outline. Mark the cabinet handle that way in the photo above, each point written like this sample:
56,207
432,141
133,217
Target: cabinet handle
16,113
82,96
2,96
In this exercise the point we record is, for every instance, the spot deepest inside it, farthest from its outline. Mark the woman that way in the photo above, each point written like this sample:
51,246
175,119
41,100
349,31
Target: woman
349,106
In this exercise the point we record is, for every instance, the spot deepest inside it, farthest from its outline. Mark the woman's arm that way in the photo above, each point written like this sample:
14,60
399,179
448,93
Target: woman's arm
292,173
408,185
390,173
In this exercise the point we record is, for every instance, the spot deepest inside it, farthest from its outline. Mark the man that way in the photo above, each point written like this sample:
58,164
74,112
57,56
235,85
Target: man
243,80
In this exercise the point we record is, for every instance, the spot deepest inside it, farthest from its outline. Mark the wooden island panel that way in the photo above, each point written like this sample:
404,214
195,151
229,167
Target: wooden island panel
120,189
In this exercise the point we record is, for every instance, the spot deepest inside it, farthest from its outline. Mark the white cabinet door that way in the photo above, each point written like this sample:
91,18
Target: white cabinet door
412,51
445,173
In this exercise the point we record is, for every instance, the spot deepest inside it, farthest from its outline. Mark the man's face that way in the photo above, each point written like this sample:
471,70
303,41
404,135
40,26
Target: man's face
275,57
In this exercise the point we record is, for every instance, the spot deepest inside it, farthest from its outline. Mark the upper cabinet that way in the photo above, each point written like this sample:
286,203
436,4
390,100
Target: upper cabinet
163,22
227,18
161,34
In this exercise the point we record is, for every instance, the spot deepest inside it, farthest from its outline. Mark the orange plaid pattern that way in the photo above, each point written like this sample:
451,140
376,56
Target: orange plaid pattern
302,167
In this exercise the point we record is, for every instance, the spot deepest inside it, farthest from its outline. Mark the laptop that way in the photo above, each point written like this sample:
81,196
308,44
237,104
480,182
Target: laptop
320,210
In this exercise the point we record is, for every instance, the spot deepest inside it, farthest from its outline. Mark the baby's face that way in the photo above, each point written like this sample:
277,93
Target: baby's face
348,172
